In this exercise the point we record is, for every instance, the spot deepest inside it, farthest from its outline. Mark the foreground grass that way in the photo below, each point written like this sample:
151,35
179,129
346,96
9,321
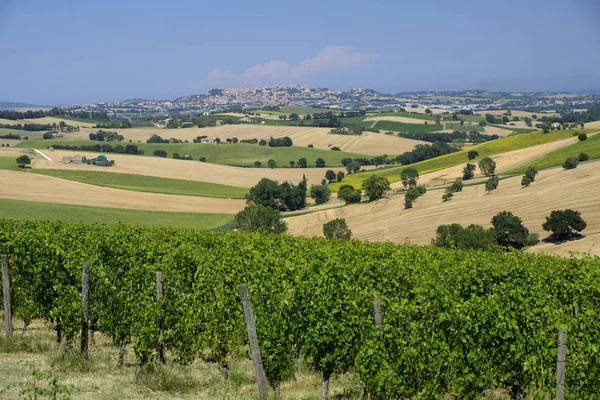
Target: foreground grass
30,210
98,377
144,183
239,154
591,147
502,145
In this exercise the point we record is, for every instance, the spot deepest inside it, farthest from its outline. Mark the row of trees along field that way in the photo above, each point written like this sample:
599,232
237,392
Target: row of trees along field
453,321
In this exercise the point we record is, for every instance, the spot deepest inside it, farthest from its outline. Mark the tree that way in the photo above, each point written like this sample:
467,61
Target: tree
447,196
570,163
427,111
353,166
492,183
408,202
320,194
582,137
471,237
23,160
409,177
292,163
457,186
509,230
525,181
346,161
320,163
472,154
349,195
487,166
258,218
583,157
257,164
294,117
262,142
563,223
337,229
468,172
302,163
528,121
271,163
340,176
267,193
531,173
330,175
160,153
375,186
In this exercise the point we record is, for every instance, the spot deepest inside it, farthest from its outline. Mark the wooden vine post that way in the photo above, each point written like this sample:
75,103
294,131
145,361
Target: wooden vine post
85,305
159,296
560,365
377,313
261,379
6,291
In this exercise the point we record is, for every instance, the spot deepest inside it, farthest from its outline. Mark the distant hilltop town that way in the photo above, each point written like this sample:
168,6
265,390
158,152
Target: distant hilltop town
249,98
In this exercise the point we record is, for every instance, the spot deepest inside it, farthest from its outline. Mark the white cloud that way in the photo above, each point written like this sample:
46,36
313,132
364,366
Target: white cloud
328,59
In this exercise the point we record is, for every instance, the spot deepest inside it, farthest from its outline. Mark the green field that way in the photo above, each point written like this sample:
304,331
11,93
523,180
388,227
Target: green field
305,110
239,154
423,117
144,183
402,127
313,122
30,210
460,157
512,128
591,147
8,163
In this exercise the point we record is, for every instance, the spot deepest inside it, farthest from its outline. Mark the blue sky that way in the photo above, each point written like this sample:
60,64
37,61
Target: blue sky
61,52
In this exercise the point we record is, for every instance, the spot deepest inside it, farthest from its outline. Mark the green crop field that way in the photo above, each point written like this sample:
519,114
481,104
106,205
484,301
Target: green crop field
460,157
305,110
31,210
403,127
313,122
591,147
8,163
414,115
239,154
144,183
512,128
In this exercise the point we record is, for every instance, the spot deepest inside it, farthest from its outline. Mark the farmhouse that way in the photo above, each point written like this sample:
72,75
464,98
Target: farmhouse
556,125
207,140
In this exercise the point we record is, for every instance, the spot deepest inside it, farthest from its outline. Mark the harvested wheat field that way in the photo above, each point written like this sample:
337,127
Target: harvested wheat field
553,189
43,121
516,113
592,125
176,169
368,143
494,130
406,120
18,185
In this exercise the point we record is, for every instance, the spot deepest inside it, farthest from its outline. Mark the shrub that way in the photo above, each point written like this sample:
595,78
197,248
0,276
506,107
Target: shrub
531,172
311,146
160,153
447,196
262,142
570,163
532,239
337,229
582,137
412,194
320,194
509,230
562,223
176,156
421,189
468,172
472,154
271,163
302,163
583,157
335,148
203,159
487,166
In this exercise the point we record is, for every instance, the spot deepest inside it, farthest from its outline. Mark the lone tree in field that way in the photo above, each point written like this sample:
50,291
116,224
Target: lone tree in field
258,218
272,163
375,186
468,171
330,176
320,194
509,230
529,176
487,166
570,163
409,177
320,163
492,183
23,160
472,154
563,223
337,229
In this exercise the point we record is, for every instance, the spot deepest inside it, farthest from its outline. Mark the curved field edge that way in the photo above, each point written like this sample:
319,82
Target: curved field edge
503,145
145,183
238,154
31,210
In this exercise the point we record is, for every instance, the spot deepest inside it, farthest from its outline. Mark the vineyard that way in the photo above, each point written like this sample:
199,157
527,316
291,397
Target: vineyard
452,322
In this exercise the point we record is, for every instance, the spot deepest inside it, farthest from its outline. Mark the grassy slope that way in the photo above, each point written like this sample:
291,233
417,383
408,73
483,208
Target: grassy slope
304,110
419,116
403,127
460,157
238,154
143,183
591,147
18,209
312,122
512,128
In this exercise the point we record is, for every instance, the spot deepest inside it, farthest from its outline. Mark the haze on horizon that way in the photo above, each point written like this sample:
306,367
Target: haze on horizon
66,52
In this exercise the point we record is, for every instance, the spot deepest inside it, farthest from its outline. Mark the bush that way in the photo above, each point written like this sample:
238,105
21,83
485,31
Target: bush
203,159
472,154
262,142
258,218
271,163
310,146
582,137
176,156
447,196
531,172
468,172
563,223
337,229
335,148
570,163
408,203
421,189
412,194
320,194
532,239
509,230
583,157
257,164
160,153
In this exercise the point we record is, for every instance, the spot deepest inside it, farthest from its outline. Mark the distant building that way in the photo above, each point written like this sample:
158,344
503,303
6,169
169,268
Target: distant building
207,140
556,125
187,124
78,159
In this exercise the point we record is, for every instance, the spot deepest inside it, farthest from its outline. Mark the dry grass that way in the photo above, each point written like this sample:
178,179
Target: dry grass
553,189
320,138
516,113
19,185
44,120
